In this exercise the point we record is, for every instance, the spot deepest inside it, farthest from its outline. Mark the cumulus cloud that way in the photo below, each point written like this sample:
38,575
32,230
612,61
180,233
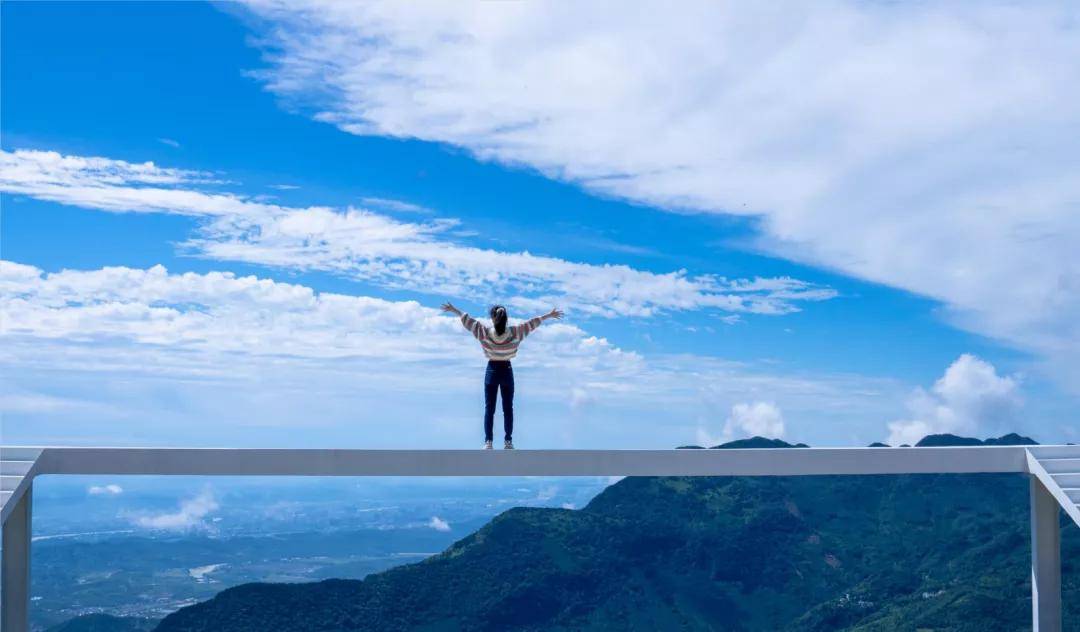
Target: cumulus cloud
969,399
363,244
927,146
188,516
438,524
105,490
747,419
762,419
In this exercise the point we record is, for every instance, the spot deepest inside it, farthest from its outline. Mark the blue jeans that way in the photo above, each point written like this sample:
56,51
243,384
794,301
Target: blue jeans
499,377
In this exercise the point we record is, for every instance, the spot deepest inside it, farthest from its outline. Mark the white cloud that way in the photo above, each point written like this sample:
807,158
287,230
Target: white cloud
387,204
969,399
243,351
49,175
284,187
221,312
188,516
362,244
757,419
927,146
170,142
105,490
753,419
438,524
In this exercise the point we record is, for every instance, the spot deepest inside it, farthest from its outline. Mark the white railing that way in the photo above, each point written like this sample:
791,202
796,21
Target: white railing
19,465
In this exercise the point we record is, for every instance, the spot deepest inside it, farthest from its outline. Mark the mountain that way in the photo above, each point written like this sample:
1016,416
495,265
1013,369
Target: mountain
872,553
940,440
752,442
1011,439
758,442
104,623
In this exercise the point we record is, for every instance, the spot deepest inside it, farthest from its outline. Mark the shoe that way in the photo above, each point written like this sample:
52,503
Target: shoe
508,445
487,445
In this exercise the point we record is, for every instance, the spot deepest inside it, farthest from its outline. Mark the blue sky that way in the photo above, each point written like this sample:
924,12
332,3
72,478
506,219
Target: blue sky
818,285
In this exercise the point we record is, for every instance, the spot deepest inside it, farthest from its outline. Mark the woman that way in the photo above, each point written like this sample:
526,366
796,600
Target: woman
500,344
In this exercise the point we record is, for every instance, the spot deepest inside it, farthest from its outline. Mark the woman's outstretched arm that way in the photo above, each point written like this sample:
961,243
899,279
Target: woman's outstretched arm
468,322
530,325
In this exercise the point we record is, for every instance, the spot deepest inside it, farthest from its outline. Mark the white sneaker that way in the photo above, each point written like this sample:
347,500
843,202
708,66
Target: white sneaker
508,445
487,445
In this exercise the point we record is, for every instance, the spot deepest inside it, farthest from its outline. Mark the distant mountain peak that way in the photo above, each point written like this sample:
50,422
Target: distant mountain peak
929,441
757,442
946,439
1011,439
949,440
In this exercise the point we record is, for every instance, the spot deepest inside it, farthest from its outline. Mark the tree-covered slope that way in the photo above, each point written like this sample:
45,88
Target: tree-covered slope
940,552
104,623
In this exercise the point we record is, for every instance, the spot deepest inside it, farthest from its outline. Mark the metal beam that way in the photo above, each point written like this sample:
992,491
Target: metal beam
318,462
15,566
1045,559
1046,562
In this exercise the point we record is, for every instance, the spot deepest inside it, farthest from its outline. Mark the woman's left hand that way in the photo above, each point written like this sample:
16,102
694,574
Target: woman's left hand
554,313
449,307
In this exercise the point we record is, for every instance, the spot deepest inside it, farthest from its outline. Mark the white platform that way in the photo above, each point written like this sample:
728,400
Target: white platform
1054,471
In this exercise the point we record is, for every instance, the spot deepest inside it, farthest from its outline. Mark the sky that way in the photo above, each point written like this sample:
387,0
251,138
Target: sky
838,223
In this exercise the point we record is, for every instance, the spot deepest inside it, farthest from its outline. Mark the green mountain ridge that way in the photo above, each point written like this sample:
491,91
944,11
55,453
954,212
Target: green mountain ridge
868,553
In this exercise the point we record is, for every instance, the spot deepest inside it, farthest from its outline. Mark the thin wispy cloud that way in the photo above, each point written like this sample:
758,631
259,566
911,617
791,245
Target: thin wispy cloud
170,142
363,244
926,146
387,204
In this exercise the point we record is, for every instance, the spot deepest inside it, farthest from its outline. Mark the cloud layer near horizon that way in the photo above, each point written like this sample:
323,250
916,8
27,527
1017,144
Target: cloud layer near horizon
929,147
127,346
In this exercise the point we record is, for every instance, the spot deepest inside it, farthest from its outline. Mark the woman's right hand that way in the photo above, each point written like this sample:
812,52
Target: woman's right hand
554,313
449,307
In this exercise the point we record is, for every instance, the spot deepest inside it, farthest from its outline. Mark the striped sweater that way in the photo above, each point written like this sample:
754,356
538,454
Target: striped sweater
498,347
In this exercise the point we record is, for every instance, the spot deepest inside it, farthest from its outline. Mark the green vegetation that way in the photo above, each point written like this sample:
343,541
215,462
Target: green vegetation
104,623
926,552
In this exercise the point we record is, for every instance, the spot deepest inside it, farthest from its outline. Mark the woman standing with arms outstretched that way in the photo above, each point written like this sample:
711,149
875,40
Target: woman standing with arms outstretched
500,344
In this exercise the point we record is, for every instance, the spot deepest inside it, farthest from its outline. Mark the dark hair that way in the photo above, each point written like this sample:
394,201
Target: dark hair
498,318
